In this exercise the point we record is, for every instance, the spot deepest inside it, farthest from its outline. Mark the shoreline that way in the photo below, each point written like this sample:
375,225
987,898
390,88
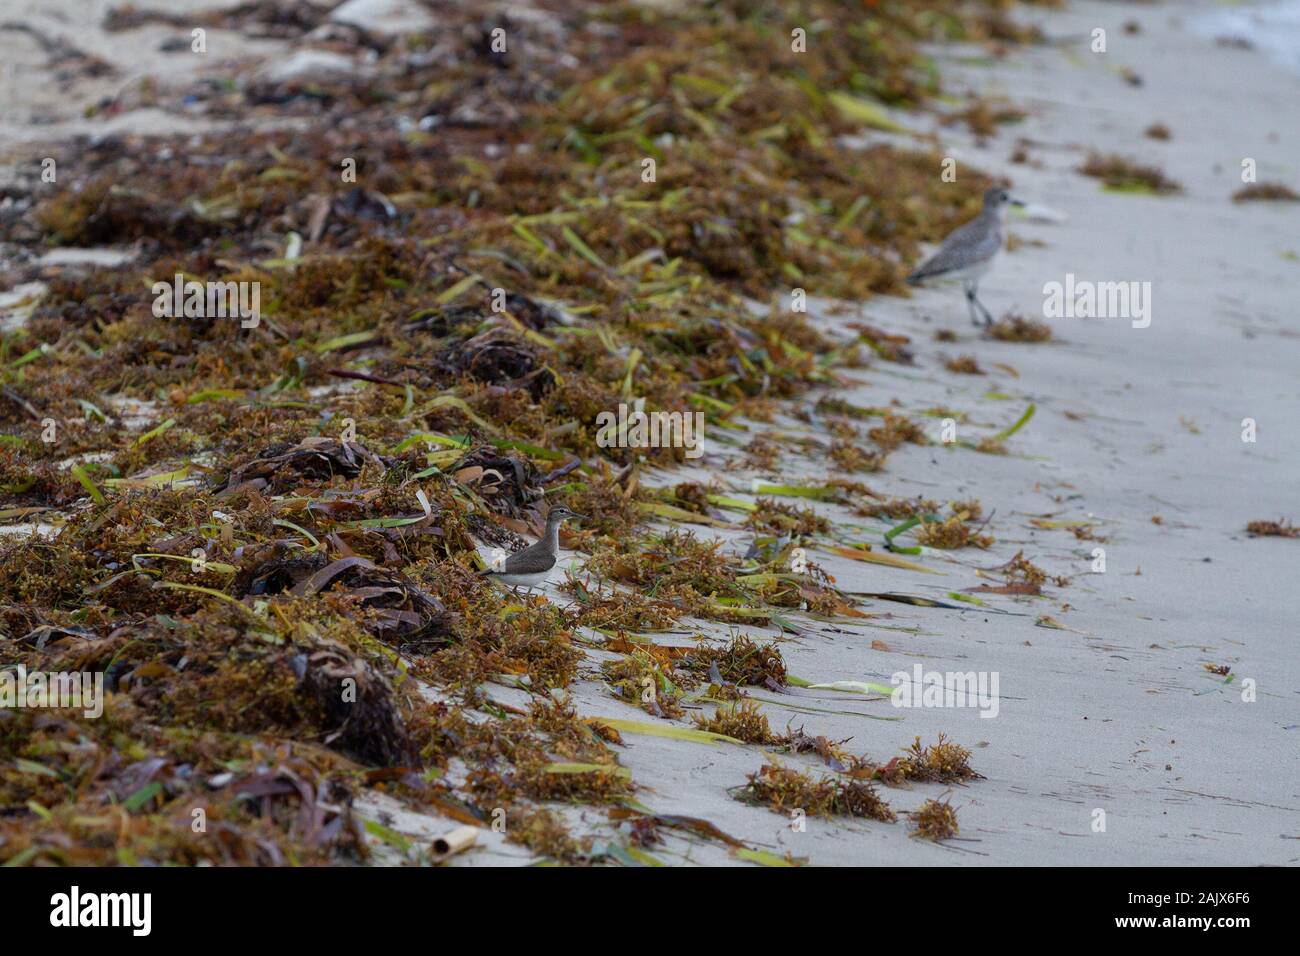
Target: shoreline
1116,712
1106,702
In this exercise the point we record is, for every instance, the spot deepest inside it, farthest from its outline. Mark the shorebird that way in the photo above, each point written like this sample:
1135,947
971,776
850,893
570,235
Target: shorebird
533,565
968,251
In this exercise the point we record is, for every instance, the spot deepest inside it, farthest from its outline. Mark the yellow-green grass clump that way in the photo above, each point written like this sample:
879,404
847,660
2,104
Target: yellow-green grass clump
935,821
1125,175
785,790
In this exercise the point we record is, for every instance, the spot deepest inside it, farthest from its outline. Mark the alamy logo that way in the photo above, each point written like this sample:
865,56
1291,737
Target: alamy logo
637,428
1084,299
103,909
924,688
208,300
83,690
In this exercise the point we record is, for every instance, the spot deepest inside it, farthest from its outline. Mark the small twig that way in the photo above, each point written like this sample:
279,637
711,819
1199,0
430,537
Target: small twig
21,402
561,471
364,377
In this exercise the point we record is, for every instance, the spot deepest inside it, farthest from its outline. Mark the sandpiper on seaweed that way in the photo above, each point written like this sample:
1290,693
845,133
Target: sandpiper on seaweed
968,251
533,565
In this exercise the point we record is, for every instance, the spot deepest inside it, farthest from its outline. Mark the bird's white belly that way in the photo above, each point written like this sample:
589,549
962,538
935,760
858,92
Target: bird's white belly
523,580
967,273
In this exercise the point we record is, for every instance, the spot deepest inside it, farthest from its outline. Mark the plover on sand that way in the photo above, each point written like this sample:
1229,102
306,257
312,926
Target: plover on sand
533,565
968,251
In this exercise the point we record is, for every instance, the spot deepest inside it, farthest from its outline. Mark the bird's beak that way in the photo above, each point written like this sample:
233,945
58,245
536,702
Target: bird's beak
1018,203
576,515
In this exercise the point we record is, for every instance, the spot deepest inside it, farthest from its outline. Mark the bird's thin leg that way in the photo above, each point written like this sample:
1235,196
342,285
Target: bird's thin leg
970,303
988,317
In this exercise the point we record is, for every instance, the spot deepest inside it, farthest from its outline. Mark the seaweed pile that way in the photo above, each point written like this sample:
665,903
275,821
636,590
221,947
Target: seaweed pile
264,536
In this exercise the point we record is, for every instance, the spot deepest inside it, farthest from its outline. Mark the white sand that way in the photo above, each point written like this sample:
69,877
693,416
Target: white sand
43,101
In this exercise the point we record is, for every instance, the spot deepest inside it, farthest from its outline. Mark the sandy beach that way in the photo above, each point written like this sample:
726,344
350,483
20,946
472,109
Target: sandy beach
1138,430
1118,737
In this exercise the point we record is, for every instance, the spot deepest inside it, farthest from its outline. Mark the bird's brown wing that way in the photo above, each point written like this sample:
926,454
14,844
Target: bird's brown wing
530,560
